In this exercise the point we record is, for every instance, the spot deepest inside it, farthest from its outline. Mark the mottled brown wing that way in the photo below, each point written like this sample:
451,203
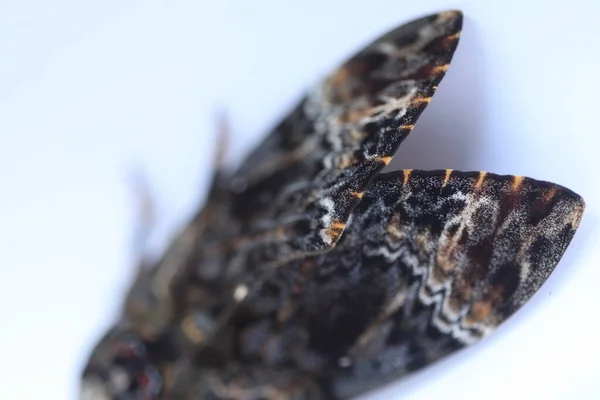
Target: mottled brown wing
290,198
293,194
430,262
297,189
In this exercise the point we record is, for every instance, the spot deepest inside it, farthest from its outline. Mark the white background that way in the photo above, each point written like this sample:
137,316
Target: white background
90,90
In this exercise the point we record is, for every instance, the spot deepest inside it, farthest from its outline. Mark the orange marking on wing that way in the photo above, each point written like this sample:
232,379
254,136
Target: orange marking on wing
421,100
447,177
454,36
480,180
480,311
409,127
335,230
576,215
517,182
386,160
358,195
549,195
440,68
406,175
338,225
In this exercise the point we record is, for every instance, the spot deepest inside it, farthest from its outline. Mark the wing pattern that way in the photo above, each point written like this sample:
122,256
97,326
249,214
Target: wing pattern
308,274
431,261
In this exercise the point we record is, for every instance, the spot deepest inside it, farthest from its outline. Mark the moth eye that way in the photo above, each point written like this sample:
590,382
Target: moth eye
121,369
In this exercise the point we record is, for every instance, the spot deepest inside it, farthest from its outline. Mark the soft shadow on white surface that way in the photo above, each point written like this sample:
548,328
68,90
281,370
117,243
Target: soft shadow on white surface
451,131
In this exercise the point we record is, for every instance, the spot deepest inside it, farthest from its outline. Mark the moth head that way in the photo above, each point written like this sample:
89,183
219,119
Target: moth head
120,369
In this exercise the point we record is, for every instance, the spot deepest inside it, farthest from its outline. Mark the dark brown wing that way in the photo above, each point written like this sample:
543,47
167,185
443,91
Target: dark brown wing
294,193
430,262
299,186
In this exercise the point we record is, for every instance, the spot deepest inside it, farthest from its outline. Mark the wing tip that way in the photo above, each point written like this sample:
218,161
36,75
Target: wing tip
546,192
517,232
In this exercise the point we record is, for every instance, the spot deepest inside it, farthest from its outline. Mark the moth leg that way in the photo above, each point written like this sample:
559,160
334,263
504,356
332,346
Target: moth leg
223,134
142,299
136,357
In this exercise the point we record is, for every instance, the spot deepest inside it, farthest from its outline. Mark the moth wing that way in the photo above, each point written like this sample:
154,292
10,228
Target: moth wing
312,169
430,262
294,193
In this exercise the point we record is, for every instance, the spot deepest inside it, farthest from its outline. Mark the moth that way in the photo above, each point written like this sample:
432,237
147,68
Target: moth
310,274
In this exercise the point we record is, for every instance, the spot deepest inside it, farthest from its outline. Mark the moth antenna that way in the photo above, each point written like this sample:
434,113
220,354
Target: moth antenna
223,134
145,209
